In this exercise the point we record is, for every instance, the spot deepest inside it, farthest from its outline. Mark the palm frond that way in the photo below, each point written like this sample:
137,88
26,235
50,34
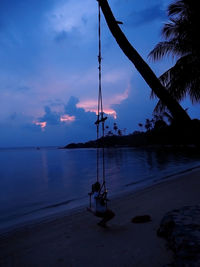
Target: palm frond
172,47
183,79
181,35
177,8
159,108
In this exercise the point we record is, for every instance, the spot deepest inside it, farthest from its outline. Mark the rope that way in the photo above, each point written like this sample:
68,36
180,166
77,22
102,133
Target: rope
100,120
100,102
100,113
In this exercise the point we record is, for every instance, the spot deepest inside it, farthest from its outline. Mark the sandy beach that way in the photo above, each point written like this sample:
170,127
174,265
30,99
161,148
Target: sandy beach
76,239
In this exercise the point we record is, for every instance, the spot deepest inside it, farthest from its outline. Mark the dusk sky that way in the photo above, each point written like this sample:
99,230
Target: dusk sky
49,69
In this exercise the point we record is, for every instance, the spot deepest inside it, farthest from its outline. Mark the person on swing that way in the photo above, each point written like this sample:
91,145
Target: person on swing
100,207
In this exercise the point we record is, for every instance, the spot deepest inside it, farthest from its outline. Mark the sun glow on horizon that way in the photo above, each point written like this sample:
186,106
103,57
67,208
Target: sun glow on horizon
42,124
91,106
67,118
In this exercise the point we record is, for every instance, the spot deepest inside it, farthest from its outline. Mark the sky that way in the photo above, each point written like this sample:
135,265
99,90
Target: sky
49,69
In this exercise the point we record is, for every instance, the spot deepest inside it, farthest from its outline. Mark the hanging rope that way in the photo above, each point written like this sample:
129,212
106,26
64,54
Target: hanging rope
100,114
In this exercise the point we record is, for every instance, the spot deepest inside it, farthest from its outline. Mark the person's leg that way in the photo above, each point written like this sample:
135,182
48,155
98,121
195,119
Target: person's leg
108,215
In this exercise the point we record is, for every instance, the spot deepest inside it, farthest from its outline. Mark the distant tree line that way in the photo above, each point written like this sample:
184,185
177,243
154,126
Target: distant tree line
114,130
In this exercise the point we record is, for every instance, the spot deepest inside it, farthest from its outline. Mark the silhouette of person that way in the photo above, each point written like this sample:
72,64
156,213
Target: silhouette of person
99,203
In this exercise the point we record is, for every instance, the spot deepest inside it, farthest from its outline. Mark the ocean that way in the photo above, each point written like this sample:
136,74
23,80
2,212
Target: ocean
37,183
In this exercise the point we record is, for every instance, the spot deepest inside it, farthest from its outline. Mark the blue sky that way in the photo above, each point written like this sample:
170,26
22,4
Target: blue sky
49,71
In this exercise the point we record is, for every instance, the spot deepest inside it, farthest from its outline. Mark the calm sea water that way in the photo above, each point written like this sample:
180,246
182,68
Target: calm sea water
35,183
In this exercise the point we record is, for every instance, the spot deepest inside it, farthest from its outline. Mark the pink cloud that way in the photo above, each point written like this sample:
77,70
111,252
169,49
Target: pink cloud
42,124
91,104
67,118
118,98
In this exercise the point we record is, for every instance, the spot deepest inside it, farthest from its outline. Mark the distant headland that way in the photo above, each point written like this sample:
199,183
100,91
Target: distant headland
159,135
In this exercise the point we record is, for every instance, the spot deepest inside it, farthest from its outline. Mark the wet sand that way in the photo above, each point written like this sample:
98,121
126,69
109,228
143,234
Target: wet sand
75,239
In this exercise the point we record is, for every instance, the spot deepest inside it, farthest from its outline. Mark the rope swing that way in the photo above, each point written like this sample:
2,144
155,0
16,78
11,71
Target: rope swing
100,114
100,123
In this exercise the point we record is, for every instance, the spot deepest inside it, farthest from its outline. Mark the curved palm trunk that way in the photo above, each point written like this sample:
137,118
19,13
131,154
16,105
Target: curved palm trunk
148,75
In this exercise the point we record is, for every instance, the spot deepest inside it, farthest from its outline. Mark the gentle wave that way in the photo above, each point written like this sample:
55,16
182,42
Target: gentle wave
47,181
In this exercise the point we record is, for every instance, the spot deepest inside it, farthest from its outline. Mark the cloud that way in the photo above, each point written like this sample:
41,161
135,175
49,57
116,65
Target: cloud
83,128
42,124
82,116
108,103
61,36
137,107
66,118
53,118
72,117
71,16
50,117
49,53
72,124
90,105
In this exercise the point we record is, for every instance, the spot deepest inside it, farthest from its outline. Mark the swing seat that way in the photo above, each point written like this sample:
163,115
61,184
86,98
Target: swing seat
101,120
98,214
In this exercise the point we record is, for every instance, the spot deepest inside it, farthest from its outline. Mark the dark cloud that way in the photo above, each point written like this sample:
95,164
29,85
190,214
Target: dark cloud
61,36
82,128
56,103
51,117
147,15
71,39
71,108
82,117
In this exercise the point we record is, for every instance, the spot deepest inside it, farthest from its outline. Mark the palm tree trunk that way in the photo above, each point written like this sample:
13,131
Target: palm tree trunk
178,113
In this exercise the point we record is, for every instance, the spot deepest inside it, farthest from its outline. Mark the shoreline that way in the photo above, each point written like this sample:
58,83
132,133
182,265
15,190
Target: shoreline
75,239
81,208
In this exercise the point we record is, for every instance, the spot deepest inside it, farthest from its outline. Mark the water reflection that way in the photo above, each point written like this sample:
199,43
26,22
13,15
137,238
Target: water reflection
41,179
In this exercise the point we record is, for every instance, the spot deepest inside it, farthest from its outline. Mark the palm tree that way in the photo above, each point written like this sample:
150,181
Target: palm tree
181,35
176,110
115,127
148,125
